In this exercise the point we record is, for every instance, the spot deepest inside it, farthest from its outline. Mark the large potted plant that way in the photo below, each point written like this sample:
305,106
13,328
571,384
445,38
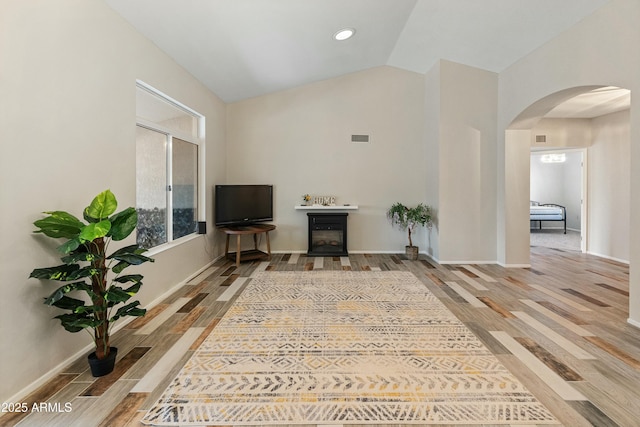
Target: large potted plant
408,219
85,272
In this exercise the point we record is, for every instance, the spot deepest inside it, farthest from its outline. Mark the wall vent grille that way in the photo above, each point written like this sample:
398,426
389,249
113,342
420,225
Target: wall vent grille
362,139
541,138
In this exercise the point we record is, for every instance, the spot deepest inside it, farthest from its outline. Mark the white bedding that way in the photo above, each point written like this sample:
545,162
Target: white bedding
540,213
545,210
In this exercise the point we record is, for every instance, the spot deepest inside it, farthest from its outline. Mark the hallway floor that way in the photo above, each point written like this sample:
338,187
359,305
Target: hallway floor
555,238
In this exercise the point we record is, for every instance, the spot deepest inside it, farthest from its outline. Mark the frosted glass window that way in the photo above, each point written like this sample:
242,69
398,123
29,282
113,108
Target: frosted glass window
168,168
151,187
164,113
184,189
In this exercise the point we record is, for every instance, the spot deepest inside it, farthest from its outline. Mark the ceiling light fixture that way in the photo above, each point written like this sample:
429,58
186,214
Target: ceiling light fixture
553,158
344,34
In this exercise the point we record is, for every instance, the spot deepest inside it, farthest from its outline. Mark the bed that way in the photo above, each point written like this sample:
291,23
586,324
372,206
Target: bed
547,212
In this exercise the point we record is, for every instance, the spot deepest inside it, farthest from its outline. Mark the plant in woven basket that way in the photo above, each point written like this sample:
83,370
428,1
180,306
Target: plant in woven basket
408,219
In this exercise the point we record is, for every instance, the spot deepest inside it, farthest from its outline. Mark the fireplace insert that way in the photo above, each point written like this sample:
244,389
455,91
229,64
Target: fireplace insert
327,234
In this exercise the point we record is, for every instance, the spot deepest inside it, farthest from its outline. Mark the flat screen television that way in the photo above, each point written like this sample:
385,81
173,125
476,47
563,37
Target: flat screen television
243,204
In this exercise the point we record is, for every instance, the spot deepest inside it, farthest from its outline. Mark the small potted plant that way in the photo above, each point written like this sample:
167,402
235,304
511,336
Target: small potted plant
306,199
408,219
85,271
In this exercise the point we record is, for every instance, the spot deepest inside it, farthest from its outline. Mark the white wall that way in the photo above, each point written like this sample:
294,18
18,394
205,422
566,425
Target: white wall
432,140
299,141
468,163
596,51
432,153
609,187
573,189
514,163
67,132
561,133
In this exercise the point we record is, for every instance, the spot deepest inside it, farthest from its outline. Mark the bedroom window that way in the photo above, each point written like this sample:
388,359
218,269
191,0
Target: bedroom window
169,165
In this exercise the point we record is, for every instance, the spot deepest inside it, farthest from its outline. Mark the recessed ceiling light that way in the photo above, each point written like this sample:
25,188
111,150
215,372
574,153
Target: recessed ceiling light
344,34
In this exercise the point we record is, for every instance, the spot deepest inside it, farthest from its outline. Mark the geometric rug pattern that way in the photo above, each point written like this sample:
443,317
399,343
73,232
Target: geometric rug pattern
343,347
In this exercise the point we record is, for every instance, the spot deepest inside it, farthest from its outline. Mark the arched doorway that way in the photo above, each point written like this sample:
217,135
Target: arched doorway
590,118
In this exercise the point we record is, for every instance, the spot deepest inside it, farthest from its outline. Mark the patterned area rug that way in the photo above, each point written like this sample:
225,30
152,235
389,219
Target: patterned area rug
343,347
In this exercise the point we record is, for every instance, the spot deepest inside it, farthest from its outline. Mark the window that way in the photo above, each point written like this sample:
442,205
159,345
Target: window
169,156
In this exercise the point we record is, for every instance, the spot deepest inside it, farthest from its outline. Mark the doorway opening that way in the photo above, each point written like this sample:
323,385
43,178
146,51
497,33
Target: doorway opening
558,181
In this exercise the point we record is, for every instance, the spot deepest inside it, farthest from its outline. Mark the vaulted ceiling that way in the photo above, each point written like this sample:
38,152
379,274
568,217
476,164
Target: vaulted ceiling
245,48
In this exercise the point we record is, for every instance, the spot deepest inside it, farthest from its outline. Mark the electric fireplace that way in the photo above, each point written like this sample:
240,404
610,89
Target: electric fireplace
327,234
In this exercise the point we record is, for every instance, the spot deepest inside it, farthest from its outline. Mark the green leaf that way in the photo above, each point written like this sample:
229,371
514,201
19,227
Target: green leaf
69,246
134,259
80,256
117,269
133,289
59,224
127,249
129,278
103,205
63,273
127,256
88,218
116,294
65,289
60,272
68,303
137,283
130,254
78,322
94,231
83,272
130,309
123,223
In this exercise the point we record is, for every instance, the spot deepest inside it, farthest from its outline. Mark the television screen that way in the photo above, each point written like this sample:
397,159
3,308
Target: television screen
243,204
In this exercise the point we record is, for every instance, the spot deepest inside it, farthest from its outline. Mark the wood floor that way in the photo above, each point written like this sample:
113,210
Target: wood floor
559,326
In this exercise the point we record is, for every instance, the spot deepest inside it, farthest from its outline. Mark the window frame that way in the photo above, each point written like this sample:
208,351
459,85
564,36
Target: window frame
198,140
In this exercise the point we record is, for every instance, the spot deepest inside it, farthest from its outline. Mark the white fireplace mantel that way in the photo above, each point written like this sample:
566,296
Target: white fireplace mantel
326,208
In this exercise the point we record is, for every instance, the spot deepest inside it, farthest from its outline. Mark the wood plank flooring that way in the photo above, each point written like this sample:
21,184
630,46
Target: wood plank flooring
559,326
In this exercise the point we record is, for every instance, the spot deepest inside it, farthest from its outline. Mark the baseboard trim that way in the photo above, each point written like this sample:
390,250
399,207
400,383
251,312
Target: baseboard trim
634,323
623,261
379,252
465,262
359,252
514,265
200,271
355,252
39,382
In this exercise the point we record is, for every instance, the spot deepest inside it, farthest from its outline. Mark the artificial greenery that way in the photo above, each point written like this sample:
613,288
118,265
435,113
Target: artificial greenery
408,218
86,267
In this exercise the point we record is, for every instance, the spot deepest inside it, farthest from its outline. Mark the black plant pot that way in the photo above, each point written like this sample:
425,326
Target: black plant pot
102,367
